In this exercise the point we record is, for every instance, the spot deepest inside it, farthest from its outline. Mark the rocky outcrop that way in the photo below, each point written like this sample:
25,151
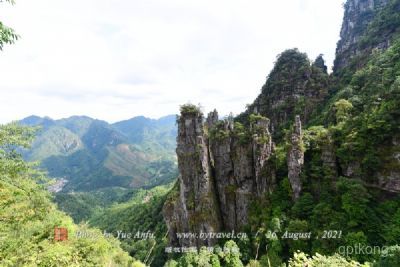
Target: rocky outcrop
196,209
294,86
389,177
390,181
222,163
328,157
295,159
244,181
251,173
357,17
262,150
222,169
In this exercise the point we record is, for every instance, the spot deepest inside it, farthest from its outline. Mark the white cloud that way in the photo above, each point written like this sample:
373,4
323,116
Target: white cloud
117,59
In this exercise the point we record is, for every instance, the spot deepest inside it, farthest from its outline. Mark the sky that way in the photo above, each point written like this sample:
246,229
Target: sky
114,60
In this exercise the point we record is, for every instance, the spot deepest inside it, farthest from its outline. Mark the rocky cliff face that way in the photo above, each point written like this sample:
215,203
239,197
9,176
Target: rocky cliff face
223,168
356,28
369,26
388,178
295,159
197,209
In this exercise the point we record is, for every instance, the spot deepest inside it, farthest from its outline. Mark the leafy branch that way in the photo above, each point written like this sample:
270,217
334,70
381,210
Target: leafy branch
7,35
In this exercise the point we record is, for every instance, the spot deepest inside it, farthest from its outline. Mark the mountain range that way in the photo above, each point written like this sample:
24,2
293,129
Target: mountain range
86,154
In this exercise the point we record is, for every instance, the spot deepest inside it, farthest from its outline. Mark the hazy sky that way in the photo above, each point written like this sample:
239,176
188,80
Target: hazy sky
115,59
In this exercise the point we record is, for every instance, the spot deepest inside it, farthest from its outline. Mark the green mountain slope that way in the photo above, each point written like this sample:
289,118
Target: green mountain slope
152,135
56,141
92,154
139,212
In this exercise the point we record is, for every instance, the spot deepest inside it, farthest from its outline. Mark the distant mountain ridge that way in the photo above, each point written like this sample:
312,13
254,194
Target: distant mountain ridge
93,154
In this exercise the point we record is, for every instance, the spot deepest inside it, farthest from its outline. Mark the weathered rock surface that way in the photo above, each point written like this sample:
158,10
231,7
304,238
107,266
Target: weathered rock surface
221,161
196,210
262,151
358,15
328,157
389,178
295,159
220,175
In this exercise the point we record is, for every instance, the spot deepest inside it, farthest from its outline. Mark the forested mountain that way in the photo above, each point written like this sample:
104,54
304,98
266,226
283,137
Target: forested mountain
315,154
89,154
140,212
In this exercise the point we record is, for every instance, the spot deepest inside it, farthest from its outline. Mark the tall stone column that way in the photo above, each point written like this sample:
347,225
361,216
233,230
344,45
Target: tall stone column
295,159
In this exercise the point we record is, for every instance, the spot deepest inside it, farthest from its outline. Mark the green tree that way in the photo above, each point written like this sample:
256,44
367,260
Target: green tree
232,254
300,260
253,263
355,199
7,35
303,207
320,63
298,226
342,108
138,264
390,257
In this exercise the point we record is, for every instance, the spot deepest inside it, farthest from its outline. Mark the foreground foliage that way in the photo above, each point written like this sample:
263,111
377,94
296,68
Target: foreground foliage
28,217
7,34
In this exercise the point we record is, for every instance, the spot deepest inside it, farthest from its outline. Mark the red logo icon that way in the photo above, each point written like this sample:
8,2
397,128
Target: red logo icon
60,234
